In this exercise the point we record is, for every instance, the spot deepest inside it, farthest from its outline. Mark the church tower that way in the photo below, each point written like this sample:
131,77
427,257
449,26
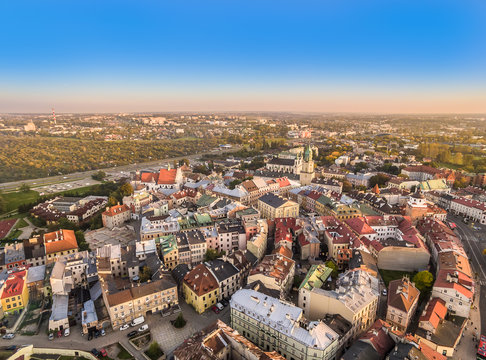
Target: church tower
307,172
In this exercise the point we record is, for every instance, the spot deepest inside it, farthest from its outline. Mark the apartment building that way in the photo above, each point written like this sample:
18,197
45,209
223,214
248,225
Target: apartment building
402,302
272,206
275,271
59,243
278,326
200,288
115,216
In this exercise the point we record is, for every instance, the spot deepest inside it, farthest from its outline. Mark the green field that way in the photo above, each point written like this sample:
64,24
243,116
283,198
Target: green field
14,199
389,275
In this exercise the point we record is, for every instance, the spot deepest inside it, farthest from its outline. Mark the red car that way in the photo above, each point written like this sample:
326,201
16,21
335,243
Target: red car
215,309
103,353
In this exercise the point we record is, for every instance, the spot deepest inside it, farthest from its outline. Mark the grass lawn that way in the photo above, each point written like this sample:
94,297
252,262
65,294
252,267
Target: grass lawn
123,354
14,199
82,191
21,223
389,275
5,354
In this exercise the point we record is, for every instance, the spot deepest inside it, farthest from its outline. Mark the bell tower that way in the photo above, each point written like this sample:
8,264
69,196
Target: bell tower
307,172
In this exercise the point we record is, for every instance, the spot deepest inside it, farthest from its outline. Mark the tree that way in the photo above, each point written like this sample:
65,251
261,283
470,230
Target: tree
423,281
154,351
99,176
211,254
24,187
145,274
347,186
82,244
112,201
180,322
126,189
379,179
330,264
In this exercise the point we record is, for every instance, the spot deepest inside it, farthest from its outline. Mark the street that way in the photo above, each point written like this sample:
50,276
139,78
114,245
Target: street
474,242
168,337
84,176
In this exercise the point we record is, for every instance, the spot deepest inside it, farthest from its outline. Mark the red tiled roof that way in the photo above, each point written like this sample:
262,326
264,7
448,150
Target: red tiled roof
14,284
200,280
457,281
61,240
359,226
167,176
283,182
117,209
149,177
435,312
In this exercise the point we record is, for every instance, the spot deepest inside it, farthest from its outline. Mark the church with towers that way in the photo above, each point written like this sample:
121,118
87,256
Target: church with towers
307,172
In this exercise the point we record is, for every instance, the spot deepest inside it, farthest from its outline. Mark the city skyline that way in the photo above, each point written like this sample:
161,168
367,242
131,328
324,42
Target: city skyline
405,57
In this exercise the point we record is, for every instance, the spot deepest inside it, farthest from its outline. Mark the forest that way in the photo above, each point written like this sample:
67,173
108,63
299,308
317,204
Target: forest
36,156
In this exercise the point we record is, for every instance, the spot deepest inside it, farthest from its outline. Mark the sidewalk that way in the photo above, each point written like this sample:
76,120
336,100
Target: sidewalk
467,348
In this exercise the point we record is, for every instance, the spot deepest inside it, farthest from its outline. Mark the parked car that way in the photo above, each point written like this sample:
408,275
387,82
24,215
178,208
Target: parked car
103,332
225,302
11,348
67,332
384,292
124,327
132,333
220,306
8,336
95,352
51,336
143,328
215,309
103,353
97,334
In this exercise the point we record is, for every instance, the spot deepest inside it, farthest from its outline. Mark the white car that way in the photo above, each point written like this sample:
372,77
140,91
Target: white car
8,336
124,327
143,328
67,332
220,306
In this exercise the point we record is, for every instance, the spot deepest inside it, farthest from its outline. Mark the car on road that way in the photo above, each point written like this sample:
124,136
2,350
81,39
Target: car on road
225,302
384,292
51,336
103,332
124,327
97,334
11,348
215,309
8,336
67,332
95,352
143,328
220,306
132,333
103,353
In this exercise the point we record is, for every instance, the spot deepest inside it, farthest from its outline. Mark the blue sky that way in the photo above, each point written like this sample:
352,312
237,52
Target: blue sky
349,55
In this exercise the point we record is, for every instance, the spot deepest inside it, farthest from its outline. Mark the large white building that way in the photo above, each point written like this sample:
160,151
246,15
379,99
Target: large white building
469,208
355,298
275,325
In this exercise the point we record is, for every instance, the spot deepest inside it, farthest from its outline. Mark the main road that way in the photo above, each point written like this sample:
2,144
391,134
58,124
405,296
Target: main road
474,242
36,183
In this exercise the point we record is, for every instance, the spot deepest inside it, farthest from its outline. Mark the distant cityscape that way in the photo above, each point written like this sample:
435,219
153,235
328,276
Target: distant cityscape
255,236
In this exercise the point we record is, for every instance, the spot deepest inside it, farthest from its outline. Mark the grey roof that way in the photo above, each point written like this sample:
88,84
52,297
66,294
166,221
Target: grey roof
36,273
59,307
281,161
95,291
179,272
361,351
272,200
222,270
404,351
252,259
88,313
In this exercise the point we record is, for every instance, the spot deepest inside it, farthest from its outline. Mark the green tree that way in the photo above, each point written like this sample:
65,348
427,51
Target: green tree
154,351
24,187
332,265
380,179
112,201
99,176
423,281
145,274
180,322
212,254
126,189
347,186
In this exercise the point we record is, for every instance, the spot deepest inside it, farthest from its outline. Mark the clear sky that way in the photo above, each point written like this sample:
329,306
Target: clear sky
339,55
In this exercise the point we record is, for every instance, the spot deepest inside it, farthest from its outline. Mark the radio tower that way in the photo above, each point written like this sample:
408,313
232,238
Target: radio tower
54,116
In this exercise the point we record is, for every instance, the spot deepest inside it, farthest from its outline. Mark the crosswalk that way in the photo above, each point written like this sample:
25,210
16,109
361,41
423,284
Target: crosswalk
482,282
